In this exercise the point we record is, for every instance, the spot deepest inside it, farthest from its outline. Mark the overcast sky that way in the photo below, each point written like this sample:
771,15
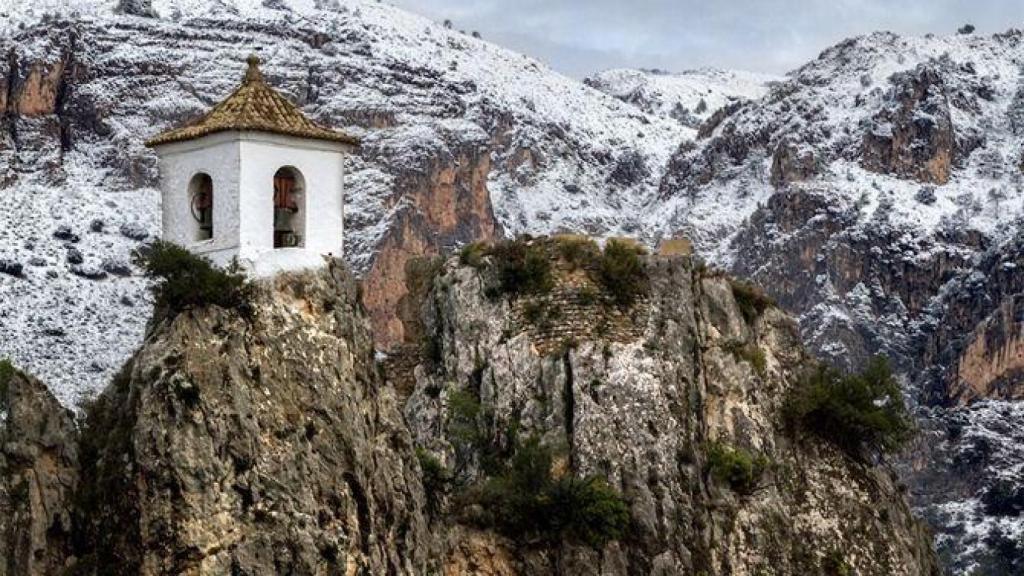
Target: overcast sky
579,37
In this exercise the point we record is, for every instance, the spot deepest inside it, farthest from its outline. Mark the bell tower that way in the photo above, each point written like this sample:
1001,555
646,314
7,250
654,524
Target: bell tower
256,180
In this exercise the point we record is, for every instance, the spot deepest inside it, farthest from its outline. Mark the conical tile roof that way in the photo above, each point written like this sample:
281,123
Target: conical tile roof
253,106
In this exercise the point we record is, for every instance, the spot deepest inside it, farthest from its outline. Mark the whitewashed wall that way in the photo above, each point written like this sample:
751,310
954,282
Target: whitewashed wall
218,156
242,167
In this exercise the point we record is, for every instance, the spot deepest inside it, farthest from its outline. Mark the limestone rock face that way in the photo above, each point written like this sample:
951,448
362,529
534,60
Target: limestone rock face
639,402
791,164
913,135
992,364
450,204
254,445
38,475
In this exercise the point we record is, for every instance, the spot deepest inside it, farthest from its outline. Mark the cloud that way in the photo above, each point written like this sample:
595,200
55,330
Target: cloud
580,37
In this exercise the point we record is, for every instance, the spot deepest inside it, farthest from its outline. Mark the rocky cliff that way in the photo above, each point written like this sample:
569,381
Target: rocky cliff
890,187
243,443
875,191
38,476
461,140
642,396
266,440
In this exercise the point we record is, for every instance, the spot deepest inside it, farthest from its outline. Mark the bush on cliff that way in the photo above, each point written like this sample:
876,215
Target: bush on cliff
473,254
577,251
522,267
861,413
527,502
185,280
736,467
622,271
751,299
6,374
436,479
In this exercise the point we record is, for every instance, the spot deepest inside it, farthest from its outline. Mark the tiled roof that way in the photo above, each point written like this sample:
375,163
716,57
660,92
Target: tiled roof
253,106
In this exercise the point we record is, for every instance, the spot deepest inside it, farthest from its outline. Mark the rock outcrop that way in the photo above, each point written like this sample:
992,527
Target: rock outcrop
236,442
992,364
265,440
640,401
461,140
912,136
256,446
38,477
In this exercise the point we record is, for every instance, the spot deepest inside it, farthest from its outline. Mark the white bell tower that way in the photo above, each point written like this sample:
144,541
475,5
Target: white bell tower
256,180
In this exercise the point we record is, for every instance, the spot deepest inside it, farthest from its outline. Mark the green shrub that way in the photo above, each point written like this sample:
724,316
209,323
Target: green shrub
436,479
622,271
748,352
587,296
526,502
577,251
473,254
835,564
861,413
7,371
523,268
535,311
586,510
186,280
736,467
420,275
751,299
463,416
420,272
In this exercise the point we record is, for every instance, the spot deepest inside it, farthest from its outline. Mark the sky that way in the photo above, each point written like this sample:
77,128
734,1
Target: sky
579,37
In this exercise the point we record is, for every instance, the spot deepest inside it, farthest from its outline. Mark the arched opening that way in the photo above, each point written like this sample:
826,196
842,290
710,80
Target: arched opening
289,209
200,201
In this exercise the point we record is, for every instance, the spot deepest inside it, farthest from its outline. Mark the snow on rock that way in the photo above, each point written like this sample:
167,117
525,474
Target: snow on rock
872,193
690,97
862,189
556,155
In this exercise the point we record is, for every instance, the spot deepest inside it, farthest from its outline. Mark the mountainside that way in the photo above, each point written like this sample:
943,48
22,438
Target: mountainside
233,442
650,396
689,97
264,439
461,140
893,175
875,192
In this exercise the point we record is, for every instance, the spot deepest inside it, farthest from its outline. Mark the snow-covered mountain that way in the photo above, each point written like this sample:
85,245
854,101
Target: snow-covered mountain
874,191
689,97
889,178
461,139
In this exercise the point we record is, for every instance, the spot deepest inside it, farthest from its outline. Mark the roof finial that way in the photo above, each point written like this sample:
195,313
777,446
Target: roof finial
253,74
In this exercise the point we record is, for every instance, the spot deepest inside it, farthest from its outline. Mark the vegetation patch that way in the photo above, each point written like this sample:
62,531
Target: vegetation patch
185,280
463,414
736,467
7,371
473,254
750,353
526,502
535,311
420,275
522,267
577,251
587,296
436,479
861,413
751,299
621,271
834,563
